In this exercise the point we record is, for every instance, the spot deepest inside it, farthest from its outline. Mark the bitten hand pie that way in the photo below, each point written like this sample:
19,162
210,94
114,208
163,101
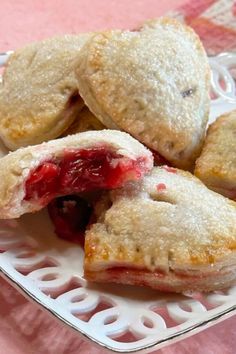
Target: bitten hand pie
168,232
31,177
216,166
39,96
152,83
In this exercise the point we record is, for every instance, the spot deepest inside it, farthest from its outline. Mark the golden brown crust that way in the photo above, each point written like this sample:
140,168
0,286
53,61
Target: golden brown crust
169,224
16,166
216,166
37,97
132,80
84,121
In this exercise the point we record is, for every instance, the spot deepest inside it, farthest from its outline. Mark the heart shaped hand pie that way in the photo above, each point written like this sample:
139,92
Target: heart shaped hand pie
152,83
39,96
31,177
169,232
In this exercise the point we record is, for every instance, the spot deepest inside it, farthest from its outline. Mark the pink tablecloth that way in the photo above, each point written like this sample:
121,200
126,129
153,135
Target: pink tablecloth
24,328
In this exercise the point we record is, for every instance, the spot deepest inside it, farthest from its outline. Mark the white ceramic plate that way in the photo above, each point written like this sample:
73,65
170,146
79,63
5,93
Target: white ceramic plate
121,318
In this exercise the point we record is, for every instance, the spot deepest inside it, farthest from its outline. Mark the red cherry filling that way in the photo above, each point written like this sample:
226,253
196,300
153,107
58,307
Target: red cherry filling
80,171
159,160
70,216
42,181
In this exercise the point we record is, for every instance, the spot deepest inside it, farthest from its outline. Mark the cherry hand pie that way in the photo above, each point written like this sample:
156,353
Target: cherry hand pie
39,96
152,83
216,166
32,177
168,232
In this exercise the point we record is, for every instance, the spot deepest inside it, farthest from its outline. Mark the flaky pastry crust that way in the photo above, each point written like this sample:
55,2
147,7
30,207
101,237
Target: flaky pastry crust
16,166
39,95
169,232
216,166
84,121
152,83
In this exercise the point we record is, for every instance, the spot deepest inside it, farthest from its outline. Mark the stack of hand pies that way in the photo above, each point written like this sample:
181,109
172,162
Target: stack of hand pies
103,108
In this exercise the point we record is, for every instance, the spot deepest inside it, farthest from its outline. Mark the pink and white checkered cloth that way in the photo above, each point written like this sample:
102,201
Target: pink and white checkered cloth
24,327
214,21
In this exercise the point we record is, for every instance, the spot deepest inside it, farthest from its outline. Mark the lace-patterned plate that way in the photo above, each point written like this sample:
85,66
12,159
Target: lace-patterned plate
123,319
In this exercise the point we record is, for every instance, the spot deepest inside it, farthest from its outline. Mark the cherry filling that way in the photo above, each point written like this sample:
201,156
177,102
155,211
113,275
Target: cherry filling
159,160
76,172
70,215
79,171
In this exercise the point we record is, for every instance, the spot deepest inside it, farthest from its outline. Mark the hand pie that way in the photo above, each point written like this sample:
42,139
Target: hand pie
152,83
31,177
168,232
84,121
39,96
216,166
